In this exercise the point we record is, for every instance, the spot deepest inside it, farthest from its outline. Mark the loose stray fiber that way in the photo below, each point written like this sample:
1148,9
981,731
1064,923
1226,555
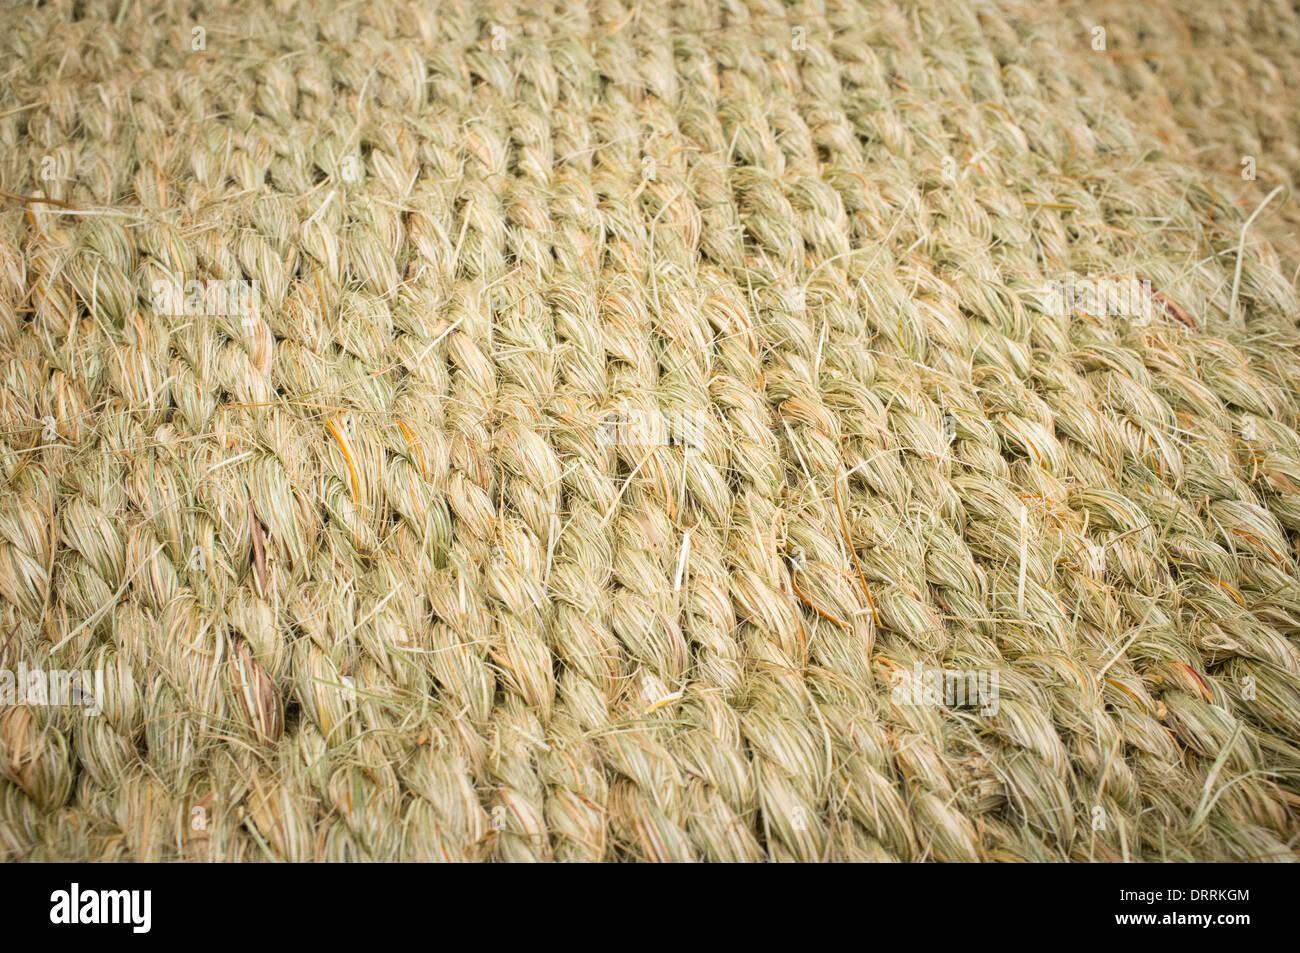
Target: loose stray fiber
616,431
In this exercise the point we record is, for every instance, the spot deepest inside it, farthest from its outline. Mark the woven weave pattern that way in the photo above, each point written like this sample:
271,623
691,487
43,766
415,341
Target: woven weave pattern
454,431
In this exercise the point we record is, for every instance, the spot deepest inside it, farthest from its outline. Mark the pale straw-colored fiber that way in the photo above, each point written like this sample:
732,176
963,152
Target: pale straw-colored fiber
639,404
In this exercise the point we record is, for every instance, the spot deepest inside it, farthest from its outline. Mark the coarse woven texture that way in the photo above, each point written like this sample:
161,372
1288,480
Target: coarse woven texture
414,559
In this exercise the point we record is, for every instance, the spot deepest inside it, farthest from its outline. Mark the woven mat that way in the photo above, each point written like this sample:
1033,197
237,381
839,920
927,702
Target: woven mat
701,430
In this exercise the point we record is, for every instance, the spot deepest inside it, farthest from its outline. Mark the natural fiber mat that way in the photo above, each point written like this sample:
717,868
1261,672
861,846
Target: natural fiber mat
701,430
